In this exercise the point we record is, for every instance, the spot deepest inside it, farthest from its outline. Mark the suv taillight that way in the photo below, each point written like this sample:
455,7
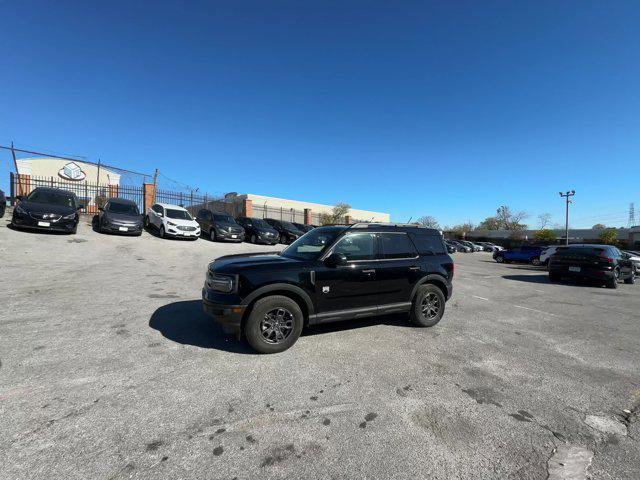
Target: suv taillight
604,258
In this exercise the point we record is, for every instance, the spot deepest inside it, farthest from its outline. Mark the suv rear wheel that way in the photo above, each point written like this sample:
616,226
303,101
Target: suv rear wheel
428,306
274,324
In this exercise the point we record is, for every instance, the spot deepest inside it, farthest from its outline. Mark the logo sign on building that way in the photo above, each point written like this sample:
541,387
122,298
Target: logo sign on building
72,171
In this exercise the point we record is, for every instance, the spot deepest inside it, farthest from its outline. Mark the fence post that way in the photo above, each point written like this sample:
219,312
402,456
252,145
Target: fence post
12,189
206,204
51,182
191,199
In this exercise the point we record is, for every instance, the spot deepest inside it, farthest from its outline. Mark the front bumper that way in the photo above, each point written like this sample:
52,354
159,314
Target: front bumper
177,233
26,221
229,236
130,229
228,316
268,239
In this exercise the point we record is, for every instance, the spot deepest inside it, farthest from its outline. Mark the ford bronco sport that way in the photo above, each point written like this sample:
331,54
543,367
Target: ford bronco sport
331,273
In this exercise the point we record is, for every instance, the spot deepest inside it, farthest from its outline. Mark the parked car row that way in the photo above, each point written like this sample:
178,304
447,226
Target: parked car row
57,210
604,263
469,247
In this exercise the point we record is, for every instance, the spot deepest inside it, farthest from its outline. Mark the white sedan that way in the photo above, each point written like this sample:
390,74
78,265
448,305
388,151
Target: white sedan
172,221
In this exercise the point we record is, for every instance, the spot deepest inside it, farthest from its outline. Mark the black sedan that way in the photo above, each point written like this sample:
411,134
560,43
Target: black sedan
258,231
120,216
47,209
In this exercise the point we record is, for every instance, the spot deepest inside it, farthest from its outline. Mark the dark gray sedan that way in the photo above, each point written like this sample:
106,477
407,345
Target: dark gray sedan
120,216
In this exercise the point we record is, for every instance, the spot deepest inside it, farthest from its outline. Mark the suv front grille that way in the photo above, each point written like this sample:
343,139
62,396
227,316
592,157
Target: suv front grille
186,229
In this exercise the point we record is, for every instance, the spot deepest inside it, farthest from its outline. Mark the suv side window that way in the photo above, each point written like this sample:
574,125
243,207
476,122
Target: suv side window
428,244
357,246
397,245
202,214
156,208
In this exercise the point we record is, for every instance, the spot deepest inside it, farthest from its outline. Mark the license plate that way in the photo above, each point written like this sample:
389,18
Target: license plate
44,224
123,229
234,236
574,269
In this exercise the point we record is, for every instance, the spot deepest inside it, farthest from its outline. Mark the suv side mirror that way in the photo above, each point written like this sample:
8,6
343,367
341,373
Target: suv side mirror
336,259
19,197
101,209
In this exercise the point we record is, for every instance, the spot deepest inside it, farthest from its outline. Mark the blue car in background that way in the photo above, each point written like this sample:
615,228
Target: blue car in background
525,254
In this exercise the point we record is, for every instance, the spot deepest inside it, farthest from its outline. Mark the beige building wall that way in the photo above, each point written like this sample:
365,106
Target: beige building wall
274,202
54,167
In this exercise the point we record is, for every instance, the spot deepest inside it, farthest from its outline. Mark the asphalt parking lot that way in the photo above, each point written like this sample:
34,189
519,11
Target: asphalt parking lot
109,369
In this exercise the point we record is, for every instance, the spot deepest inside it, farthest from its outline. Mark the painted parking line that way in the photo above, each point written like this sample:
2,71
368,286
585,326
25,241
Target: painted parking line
534,310
481,298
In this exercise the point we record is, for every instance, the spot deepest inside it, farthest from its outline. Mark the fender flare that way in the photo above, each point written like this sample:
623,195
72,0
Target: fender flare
273,287
430,277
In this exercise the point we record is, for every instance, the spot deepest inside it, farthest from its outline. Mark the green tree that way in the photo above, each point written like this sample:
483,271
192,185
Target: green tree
609,236
511,220
545,235
337,214
489,223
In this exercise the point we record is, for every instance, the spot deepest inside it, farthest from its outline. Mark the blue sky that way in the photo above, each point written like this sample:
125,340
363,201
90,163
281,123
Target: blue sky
447,109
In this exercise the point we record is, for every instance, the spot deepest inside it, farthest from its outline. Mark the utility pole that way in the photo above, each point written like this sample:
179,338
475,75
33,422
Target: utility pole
567,195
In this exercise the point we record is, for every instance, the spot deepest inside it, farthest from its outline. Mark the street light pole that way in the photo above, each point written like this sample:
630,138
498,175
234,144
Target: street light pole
566,224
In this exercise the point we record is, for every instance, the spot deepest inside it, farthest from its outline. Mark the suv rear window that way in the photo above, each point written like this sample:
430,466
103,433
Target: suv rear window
428,244
397,245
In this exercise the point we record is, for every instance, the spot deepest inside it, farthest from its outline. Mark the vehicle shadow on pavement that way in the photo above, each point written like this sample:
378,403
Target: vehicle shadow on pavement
185,322
545,279
395,320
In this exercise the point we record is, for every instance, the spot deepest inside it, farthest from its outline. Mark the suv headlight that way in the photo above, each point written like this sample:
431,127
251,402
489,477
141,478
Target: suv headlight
171,224
20,210
71,216
220,283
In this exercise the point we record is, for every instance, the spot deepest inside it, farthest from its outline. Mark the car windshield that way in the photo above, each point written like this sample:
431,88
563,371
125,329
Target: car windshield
52,198
258,222
178,214
288,225
223,218
313,244
123,208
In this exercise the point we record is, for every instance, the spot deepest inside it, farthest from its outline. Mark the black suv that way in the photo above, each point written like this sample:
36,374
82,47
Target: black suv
258,231
331,273
603,263
288,231
219,226
3,203
47,209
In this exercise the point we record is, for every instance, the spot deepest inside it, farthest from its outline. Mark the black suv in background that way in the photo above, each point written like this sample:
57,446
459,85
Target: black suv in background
603,263
287,230
47,209
331,273
219,226
121,216
258,231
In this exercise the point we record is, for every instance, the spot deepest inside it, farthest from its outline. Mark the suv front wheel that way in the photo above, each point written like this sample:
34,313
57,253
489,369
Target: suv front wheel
428,306
274,324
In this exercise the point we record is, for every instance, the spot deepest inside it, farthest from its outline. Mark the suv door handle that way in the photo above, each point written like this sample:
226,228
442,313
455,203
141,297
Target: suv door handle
414,268
370,271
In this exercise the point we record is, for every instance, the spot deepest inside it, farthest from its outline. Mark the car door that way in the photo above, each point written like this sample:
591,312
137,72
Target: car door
158,215
204,220
397,271
349,291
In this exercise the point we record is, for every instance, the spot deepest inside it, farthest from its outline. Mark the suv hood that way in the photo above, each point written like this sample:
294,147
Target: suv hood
46,208
227,224
234,263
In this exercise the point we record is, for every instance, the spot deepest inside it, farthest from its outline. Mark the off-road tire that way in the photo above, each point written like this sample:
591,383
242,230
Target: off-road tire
255,328
426,297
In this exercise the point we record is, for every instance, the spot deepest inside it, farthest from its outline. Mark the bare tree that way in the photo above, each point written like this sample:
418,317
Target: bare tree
544,219
429,222
511,220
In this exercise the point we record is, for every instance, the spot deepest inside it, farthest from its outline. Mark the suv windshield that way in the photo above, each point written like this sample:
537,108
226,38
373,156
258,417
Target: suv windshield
313,244
178,214
52,198
223,218
124,208
288,225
